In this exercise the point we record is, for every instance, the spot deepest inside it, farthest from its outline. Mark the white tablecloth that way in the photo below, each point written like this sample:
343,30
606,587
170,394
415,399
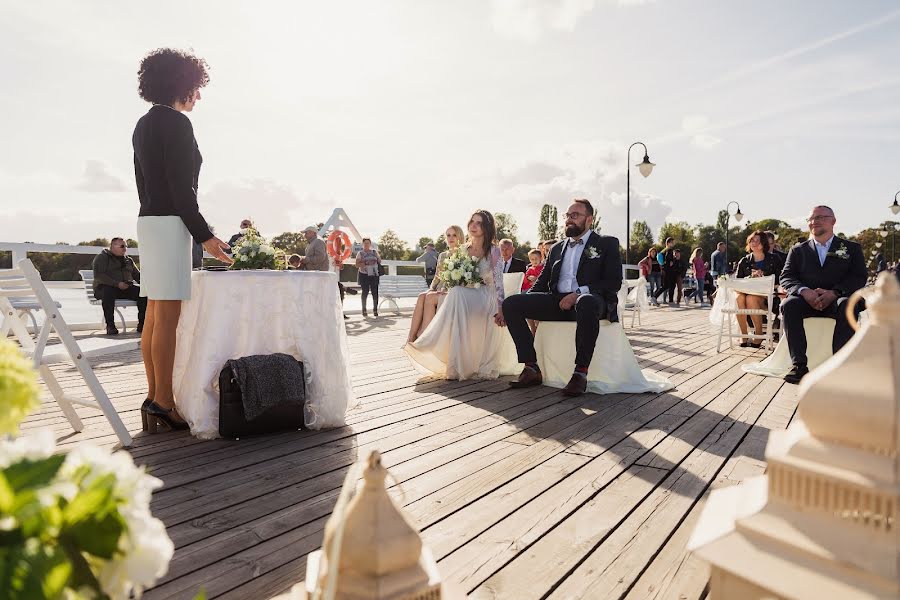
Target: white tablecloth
241,313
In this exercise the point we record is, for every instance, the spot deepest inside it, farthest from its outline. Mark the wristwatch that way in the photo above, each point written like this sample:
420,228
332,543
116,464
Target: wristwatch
578,291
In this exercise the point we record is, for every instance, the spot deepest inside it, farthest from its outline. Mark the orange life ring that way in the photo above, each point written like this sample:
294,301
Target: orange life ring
339,246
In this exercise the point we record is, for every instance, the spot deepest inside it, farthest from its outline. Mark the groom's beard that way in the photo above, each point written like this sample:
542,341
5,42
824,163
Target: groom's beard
573,231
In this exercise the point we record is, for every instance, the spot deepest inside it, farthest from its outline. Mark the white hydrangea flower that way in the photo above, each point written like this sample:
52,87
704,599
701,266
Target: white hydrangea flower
456,275
36,446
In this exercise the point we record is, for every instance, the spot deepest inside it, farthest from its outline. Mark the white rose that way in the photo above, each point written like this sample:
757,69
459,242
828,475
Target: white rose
477,285
456,275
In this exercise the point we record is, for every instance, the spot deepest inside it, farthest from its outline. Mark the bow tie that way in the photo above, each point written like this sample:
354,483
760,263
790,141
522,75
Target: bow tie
573,243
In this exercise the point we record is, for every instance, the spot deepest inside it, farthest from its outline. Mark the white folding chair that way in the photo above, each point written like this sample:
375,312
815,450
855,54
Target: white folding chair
24,282
759,286
512,284
88,278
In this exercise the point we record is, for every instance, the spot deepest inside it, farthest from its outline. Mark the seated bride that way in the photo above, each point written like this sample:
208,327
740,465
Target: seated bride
466,339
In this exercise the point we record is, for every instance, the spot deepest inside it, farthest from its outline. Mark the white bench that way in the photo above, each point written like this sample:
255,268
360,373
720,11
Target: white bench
88,278
25,282
391,287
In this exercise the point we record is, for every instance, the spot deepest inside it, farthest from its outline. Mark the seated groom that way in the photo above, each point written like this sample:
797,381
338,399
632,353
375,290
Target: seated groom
580,283
819,275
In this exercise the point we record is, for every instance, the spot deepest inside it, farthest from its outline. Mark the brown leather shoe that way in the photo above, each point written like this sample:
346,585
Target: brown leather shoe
576,386
527,378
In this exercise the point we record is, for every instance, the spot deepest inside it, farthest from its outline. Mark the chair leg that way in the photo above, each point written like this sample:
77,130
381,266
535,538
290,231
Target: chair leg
103,401
65,406
122,319
721,329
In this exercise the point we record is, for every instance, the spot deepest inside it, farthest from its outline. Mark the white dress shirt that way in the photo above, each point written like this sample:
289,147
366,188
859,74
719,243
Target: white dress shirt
822,251
568,282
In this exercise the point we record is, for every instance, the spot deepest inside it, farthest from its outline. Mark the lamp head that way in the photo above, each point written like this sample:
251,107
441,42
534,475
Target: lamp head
738,215
646,167
884,233
895,208
878,244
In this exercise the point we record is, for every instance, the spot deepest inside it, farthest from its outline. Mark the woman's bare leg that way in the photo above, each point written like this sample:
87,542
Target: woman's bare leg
741,301
757,302
431,306
166,314
146,345
415,324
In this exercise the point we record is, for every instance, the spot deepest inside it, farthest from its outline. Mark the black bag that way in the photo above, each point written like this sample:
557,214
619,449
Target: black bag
233,424
381,270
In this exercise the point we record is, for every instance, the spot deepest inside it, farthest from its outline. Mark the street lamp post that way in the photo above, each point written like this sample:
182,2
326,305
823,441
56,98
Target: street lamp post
738,215
645,167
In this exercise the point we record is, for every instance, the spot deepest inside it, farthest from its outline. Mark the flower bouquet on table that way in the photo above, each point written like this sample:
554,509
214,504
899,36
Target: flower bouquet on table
75,525
460,269
253,251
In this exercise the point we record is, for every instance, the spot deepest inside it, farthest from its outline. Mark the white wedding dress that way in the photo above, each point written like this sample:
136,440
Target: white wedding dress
463,342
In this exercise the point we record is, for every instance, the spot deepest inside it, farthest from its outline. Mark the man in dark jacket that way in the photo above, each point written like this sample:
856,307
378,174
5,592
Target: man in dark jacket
579,283
819,276
115,278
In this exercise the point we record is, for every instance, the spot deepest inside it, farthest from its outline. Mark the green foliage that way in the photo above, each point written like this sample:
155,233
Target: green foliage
683,234
440,243
18,388
548,223
506,227
641,240
390,246
290,242
424,241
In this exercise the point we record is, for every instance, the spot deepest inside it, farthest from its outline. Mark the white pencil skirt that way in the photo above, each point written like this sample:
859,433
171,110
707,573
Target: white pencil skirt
164,244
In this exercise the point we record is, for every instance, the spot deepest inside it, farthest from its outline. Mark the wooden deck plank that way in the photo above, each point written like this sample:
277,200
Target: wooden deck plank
493,477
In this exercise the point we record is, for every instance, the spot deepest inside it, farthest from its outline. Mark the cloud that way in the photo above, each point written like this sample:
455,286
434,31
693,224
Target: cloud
275,207
527,20
97,178
695,126
594,170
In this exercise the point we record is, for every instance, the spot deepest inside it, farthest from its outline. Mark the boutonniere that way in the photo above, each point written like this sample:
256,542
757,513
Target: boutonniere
591,252
841,253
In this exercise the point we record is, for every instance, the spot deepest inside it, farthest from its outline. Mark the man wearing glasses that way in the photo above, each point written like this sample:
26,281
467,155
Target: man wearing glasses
115,278
580,283
819,276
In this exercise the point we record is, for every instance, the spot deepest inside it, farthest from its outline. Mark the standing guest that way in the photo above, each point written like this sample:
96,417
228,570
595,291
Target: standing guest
819,276
430,258
649,269
511,264
758,263
166,169
699,273
679,273
368,263
115,277
710,285
316,258
669,271
428,302
880,263
717,264
245,225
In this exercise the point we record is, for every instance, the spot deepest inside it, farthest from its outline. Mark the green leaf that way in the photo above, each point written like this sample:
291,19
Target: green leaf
43,574
33,473
7,495
99,537
96,500
201,595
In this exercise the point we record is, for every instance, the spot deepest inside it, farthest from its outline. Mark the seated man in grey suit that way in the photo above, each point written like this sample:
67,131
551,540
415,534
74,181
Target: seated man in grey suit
316,258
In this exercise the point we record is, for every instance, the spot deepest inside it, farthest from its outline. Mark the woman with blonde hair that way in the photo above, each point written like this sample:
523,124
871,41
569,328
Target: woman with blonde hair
428,302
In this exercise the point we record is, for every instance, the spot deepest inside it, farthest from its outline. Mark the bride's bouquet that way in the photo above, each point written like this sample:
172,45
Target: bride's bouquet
461,269
252,251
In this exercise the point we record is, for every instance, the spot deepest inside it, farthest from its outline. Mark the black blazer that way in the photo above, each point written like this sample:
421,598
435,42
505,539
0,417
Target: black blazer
517,265
772,265
844,270
601,274
167,167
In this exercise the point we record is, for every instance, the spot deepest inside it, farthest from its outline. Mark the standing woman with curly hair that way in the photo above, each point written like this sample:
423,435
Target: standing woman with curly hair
166,169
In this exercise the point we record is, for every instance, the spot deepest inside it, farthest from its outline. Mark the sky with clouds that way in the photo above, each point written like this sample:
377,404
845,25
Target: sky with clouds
410,114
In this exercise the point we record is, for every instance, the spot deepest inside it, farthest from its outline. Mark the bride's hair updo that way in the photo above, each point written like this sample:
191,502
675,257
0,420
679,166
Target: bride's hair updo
488,228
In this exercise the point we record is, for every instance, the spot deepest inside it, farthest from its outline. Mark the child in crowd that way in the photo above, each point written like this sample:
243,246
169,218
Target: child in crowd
536,258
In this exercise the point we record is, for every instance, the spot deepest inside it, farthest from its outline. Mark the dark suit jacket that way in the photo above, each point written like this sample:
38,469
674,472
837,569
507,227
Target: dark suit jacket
842,275
517,265
167,167
602,274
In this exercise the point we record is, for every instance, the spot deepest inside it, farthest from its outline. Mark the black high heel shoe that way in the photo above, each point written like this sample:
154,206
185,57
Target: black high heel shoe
158,416
144,406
